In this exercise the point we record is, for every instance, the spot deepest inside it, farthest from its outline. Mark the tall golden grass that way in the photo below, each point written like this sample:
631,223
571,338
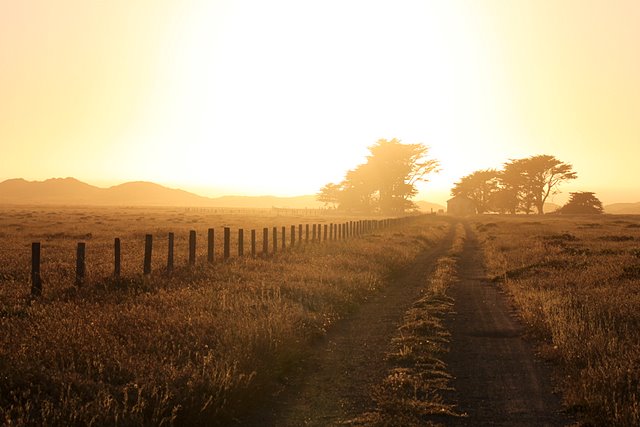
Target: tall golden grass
576,284
197,347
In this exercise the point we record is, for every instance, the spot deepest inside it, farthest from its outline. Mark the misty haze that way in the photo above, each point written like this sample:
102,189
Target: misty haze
290,213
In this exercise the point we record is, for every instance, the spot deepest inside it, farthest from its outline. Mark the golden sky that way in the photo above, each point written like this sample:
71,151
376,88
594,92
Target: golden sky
283,96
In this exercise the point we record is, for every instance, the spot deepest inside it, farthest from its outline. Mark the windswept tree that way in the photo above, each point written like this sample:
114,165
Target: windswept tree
583,202
329,194
358,191
387,181
479,186
505,200
536,178
395,169
515,189
521,186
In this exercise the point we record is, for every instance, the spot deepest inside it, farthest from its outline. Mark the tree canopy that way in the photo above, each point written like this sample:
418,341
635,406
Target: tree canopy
386,182
584,202
540,177
521,186
479,186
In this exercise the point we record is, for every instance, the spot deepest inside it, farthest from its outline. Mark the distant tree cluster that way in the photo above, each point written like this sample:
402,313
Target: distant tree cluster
583,202
521,185
385,183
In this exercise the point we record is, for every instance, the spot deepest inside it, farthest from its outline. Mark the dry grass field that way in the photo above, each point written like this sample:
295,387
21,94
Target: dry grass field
195,347
576,284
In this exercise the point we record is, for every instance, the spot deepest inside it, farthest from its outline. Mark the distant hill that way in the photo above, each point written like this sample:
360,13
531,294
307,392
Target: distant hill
623,208
70,191
51,191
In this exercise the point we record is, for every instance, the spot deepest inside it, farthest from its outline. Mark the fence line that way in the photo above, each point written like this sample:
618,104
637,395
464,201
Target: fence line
267,211
320,233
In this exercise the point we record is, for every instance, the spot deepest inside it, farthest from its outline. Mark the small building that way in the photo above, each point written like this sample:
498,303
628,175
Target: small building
461,205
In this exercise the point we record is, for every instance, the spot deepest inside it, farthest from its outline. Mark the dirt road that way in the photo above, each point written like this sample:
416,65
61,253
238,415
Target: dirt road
498,380
337,378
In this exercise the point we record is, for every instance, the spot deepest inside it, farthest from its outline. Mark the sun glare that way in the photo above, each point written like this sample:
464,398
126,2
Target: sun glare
284,105
284,96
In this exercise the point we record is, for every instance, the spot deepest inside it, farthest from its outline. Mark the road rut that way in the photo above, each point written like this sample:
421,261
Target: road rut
497,378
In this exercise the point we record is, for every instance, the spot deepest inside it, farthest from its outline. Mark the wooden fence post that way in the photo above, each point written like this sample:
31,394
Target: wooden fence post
170,244
210,245
80,264
314,233
253,243
331,231
227,243
36,280
306,233
275,240
192,247
240,242
117,261
284,240
325,232
148,248
265,241
293,236
299,234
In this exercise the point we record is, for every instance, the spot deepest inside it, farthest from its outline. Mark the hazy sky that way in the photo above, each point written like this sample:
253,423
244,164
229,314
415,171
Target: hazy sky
281,97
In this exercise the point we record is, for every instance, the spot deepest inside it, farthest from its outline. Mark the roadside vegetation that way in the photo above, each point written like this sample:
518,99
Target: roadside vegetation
575,281
196,347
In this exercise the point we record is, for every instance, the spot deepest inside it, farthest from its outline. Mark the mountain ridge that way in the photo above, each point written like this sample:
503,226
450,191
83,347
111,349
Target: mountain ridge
71,191
623,208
